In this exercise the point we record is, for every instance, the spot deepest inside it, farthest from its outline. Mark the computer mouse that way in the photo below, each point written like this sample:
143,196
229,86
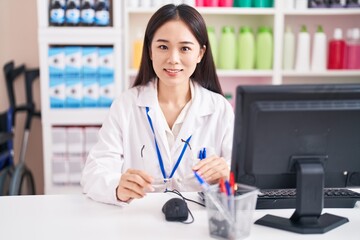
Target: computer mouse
175,209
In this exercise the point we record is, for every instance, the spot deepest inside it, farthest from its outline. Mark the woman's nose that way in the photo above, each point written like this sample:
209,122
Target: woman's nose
174,57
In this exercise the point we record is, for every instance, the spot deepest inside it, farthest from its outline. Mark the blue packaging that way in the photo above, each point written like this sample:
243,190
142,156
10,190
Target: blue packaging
106,76
73,76
56,61
90,77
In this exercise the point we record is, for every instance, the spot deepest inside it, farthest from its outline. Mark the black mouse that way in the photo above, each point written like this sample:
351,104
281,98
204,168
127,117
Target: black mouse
175,209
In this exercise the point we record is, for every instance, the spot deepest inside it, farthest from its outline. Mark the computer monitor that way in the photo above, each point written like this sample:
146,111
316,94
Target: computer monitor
298,136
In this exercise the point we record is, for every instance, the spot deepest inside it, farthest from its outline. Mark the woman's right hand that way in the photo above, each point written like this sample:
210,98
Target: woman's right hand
133,184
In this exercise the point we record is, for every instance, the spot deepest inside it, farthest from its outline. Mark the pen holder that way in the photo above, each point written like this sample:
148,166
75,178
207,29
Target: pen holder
230,217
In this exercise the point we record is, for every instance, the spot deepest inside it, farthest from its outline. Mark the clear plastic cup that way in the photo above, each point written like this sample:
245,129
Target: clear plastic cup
230,217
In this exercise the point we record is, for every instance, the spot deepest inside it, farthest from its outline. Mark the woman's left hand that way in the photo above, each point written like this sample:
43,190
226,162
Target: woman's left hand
212,169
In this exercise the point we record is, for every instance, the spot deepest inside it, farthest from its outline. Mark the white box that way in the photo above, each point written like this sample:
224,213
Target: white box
75,141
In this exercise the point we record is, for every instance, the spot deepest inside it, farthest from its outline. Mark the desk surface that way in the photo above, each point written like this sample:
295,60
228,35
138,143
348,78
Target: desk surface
77,217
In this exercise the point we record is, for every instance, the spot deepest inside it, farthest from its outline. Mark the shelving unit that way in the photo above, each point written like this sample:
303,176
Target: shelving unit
128,21
73,36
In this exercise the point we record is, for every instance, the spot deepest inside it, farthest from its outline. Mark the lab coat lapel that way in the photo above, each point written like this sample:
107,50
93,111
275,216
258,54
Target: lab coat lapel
201,106
148,98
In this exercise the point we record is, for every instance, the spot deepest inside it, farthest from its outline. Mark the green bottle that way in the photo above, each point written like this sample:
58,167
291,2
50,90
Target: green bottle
246,49
227,49
242,3
213,43
264,49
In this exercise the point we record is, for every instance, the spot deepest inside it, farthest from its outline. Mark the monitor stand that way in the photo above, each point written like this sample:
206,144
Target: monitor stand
307,218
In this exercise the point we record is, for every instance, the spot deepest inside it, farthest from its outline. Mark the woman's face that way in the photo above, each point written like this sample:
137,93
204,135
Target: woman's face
175,53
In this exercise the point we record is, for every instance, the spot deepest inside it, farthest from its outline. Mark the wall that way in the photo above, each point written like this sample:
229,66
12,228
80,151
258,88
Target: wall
18,42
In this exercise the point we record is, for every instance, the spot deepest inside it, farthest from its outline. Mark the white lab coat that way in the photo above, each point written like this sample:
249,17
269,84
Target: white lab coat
127,141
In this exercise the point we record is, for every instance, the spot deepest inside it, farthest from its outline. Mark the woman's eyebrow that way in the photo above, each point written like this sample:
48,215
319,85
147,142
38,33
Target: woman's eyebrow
182,42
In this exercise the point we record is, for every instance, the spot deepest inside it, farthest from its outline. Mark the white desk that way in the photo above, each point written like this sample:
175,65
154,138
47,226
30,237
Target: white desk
66,217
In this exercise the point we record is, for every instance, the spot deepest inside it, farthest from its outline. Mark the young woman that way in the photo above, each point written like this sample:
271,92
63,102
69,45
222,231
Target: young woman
172,122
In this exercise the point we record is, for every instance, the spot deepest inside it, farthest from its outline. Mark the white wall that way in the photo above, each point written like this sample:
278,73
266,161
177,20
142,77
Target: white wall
18,42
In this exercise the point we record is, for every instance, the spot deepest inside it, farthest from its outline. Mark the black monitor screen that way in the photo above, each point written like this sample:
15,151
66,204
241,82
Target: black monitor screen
281,129
275,124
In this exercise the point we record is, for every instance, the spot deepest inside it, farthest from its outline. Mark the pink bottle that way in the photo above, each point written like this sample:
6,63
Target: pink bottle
336,51
210,3
353,50
226,3
199,3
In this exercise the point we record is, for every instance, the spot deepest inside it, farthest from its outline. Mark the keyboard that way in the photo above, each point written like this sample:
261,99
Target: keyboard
286,198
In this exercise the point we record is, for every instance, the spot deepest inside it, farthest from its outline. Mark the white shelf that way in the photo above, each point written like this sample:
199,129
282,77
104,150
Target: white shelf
325,11
80,116
329,73
80,35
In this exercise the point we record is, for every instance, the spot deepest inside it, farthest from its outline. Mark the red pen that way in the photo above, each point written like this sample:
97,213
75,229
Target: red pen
222,186
232,183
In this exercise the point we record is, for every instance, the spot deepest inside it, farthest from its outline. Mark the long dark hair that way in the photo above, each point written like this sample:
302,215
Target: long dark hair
205,73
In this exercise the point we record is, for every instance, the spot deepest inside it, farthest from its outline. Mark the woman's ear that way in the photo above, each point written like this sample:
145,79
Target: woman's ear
201,53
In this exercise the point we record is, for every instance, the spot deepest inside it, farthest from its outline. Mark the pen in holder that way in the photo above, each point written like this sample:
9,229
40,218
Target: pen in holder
229,215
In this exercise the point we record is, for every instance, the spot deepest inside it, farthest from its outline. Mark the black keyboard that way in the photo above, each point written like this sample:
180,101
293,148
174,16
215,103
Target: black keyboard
285,198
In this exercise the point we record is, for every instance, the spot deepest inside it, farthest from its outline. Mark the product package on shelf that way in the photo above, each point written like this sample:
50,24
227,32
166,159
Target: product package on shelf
70,147
56,61
90,77
73,76
106,76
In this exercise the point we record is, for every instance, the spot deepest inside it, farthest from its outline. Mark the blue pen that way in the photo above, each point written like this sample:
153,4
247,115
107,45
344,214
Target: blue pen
200,155
231,200
212,196
204,153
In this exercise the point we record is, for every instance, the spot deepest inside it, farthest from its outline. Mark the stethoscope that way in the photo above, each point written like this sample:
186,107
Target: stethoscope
161,164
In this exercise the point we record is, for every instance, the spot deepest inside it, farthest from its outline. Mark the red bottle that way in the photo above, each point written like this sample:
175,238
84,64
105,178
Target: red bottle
336,51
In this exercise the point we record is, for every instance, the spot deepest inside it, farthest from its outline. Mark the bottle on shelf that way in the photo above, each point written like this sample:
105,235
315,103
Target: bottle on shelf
302,62
289,4
337,3
225,3
245,49
87,12
227,46
57,12
102,15
200,3
353,50
318,4
213,43
263,3
301,4
319,51
72,14
137,50
289,49
336,51
210,3
353,4
133,3
242,3
264,49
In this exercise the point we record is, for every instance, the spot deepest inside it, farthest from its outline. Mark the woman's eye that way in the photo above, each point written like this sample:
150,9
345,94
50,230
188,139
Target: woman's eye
185,49
163,47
